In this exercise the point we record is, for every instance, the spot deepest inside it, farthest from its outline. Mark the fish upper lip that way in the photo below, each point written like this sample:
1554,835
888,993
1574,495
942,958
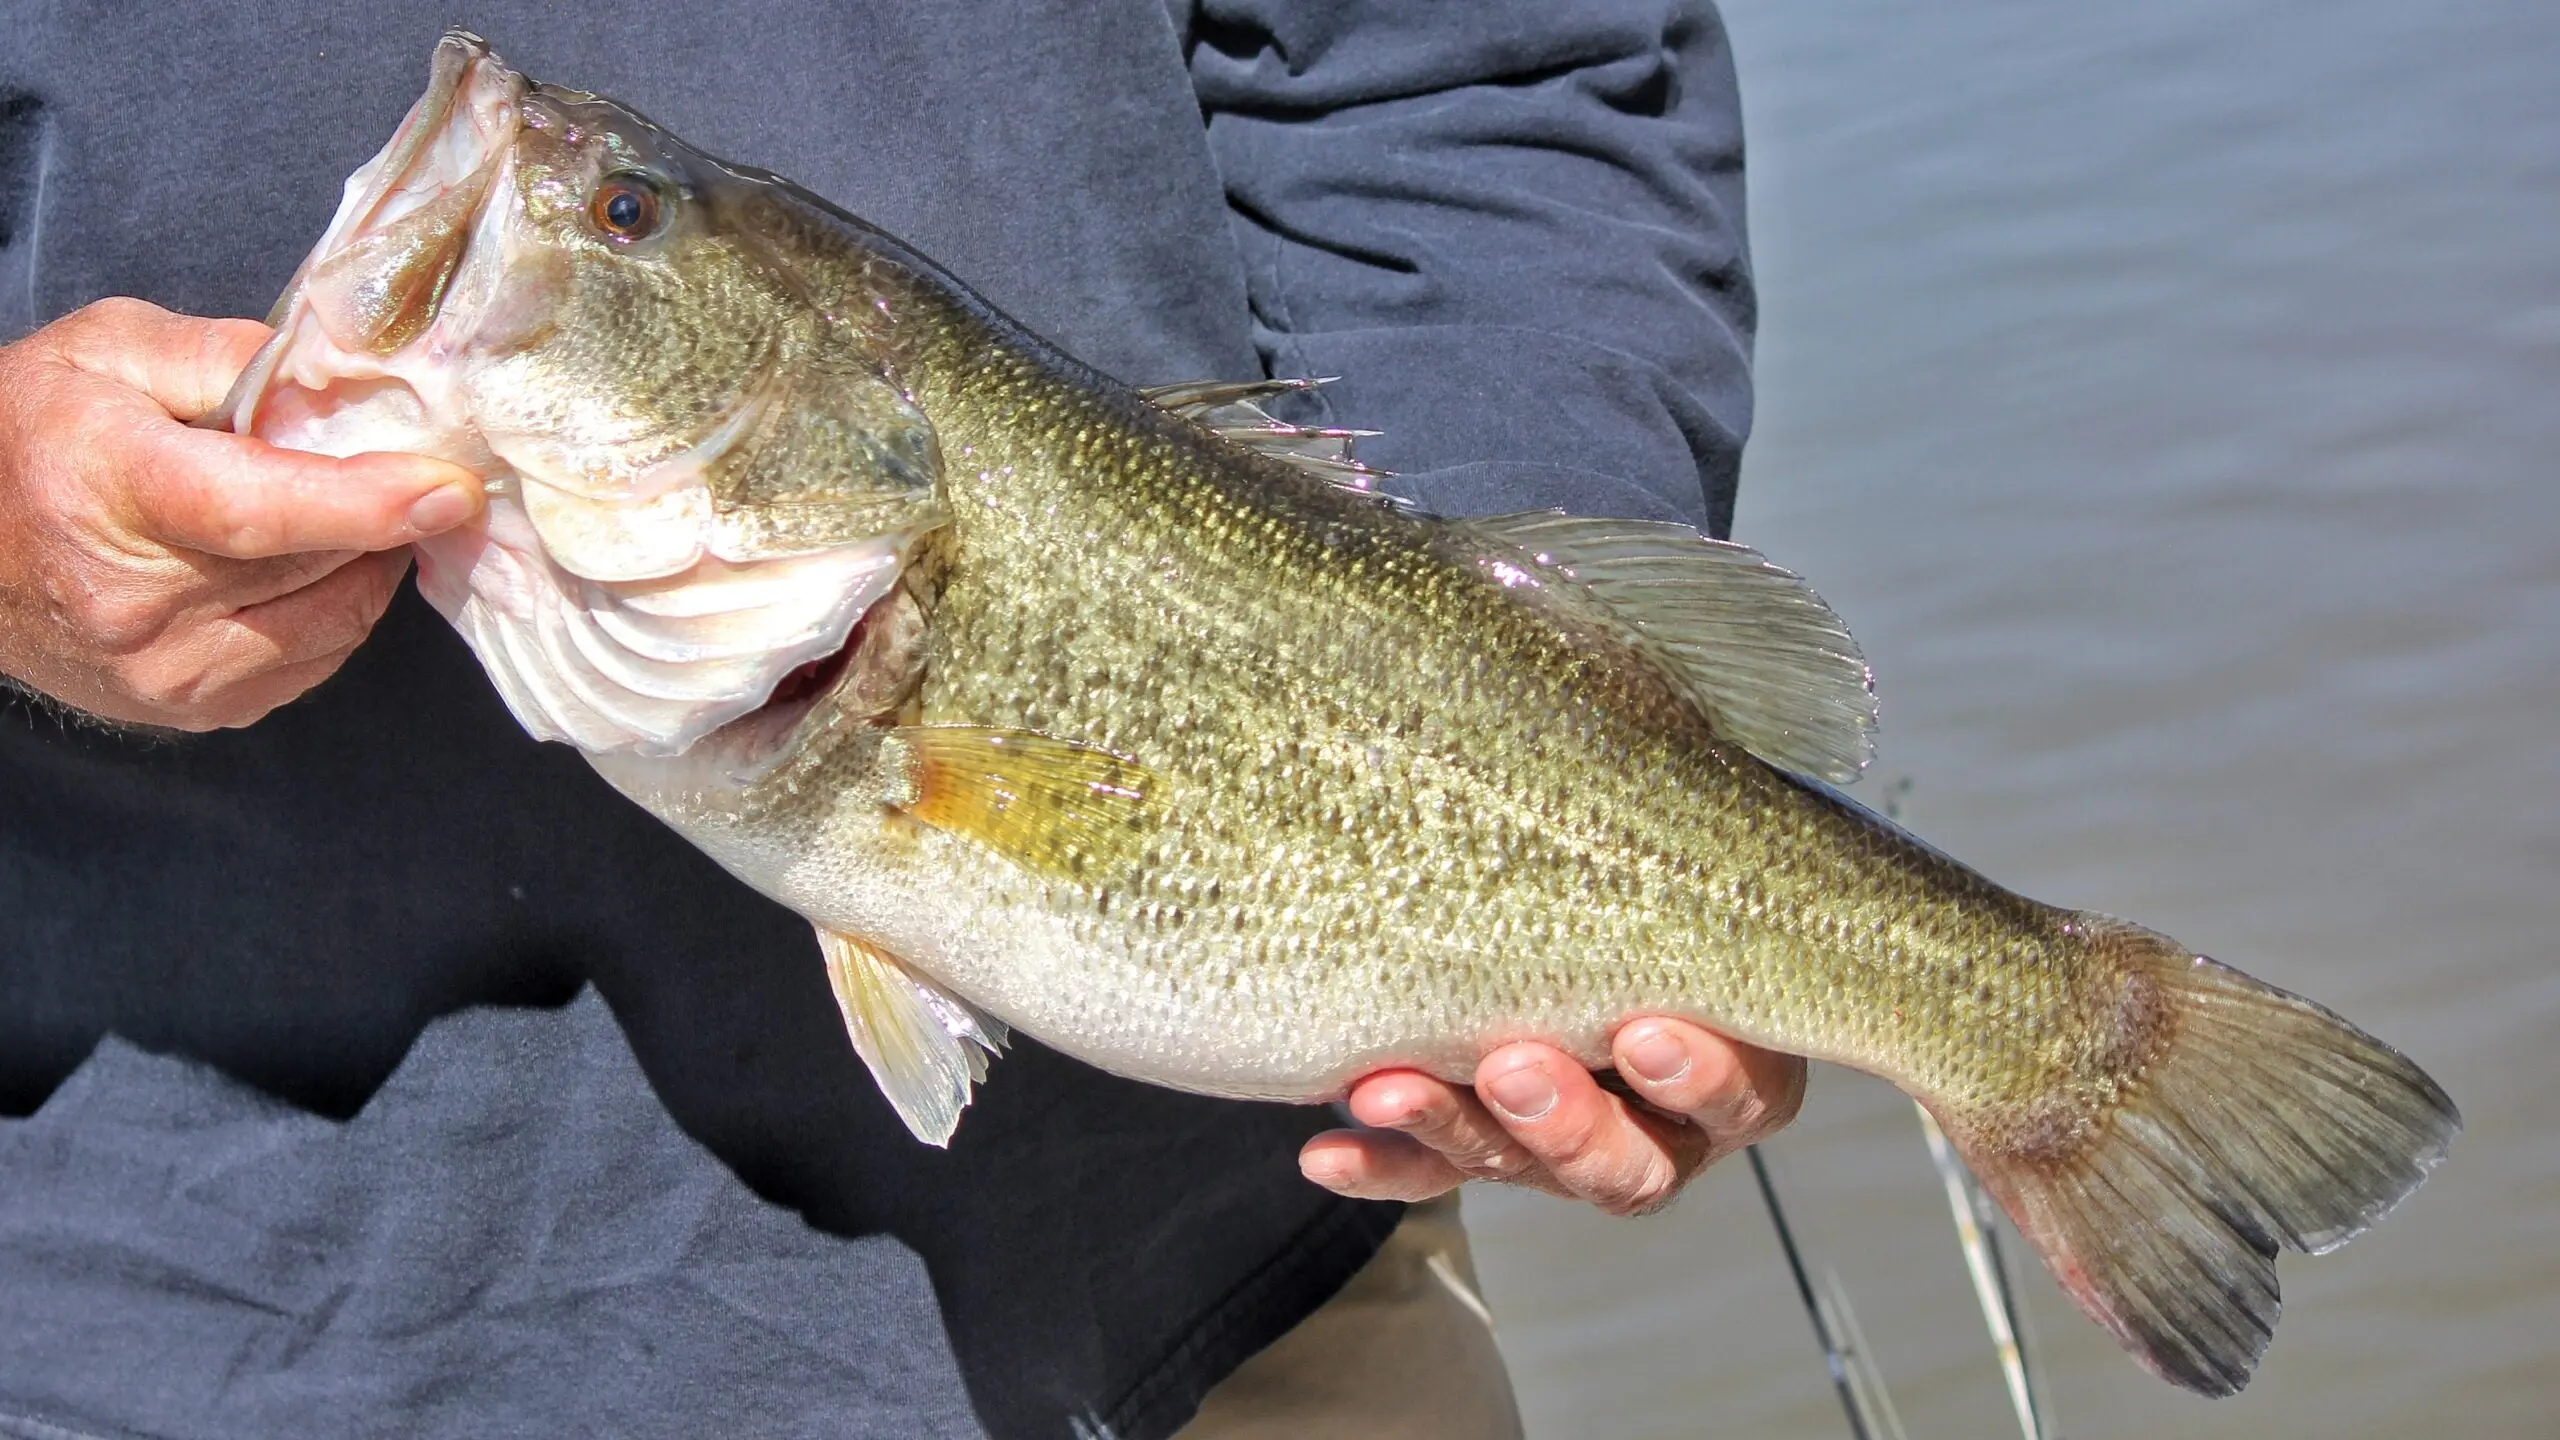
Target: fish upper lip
455,137
465,68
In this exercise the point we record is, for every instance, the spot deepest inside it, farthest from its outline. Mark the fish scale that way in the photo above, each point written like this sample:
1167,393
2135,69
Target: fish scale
1556,873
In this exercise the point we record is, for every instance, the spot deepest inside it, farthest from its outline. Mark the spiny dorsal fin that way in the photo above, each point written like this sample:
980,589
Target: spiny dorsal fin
1231,410
925,1046
1753,646
1052,805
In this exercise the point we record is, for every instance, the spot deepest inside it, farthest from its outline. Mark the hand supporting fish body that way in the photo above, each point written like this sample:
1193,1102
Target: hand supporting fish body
1142,724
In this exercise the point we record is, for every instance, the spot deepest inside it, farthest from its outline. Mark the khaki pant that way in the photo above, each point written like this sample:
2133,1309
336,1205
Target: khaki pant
1405,1352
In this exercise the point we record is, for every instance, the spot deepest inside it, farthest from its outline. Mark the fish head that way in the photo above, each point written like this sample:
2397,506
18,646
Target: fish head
701,472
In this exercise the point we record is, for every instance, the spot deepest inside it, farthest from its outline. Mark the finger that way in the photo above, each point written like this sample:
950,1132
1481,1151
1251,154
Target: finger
330,615
265,693
185,363
1589,1140
209,672
1444,1119
236,585
1739,1094
218,678
1377,1165
239,496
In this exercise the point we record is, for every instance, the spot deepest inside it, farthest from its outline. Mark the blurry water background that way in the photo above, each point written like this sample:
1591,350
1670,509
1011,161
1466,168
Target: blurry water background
2169,397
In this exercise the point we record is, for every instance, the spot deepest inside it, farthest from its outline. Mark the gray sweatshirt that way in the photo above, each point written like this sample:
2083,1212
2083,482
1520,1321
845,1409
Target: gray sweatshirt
376,1071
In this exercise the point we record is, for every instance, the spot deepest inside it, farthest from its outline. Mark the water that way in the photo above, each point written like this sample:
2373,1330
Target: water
2169,396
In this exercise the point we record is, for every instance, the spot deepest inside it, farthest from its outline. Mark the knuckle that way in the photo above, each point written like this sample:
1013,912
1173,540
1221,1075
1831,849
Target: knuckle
1653,1187
167,690
1442,1125
283,575
282,688
112,313
205,514
242,715
119,309
1571,1133
115,621
1746,1121
1780,1110
1761,1110
1507,1163
225,524
1717,1079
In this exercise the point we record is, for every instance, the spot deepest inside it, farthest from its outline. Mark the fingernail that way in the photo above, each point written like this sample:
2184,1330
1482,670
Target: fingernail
442,509
1658,1056
1327,1169
1522,1094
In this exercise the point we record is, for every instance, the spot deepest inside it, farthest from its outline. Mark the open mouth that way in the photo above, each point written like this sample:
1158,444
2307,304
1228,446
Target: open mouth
383,272
379,275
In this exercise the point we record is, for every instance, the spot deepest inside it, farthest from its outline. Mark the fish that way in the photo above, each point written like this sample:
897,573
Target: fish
1145,723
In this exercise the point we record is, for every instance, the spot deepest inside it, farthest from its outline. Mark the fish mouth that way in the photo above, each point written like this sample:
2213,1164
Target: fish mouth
383,275
752,743
379,282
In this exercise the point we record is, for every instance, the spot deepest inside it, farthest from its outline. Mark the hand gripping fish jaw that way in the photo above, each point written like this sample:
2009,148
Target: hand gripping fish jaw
659,553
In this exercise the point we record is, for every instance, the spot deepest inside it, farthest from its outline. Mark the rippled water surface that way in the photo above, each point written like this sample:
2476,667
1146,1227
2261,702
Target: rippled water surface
2169,396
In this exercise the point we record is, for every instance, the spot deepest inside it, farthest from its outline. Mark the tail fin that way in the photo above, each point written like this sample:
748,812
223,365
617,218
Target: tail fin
2263,1121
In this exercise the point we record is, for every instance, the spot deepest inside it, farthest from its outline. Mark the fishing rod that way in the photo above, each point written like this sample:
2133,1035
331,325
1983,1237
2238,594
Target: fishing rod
1978,1231
1852,1373
1845,1353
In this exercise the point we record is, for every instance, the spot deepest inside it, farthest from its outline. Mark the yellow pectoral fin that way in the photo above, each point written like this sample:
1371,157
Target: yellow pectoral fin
1055,806
925,1046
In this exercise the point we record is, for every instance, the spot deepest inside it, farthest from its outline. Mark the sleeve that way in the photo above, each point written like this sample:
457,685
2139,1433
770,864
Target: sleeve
1513,227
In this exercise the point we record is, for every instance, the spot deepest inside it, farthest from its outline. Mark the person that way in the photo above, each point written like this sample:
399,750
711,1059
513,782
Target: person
371,1069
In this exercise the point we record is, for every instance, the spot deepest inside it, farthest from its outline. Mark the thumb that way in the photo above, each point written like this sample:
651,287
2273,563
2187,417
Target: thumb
237,495
185,363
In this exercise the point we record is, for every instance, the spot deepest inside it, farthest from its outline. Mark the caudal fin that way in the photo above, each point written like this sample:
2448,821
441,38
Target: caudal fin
2263,1122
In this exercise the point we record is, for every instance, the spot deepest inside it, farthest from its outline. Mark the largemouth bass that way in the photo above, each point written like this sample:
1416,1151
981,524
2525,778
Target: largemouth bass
1141,723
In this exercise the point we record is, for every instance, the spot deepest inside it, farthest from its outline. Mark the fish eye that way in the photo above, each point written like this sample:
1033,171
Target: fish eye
626,207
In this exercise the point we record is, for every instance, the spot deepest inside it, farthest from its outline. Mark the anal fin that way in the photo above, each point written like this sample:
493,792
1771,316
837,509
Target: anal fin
926,1046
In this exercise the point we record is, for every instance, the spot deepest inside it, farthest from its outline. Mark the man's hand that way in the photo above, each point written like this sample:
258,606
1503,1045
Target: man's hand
155,574
1538,1118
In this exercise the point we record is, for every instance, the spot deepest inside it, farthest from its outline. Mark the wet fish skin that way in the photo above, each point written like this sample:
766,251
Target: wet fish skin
1386,790
1401,819
1213,773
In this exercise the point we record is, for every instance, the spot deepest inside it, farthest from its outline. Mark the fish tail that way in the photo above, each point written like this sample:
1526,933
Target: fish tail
2253,1120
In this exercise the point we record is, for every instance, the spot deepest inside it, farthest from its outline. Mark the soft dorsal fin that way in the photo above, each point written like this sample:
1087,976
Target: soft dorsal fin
1231,409
1055,806
926,1046
1751,644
